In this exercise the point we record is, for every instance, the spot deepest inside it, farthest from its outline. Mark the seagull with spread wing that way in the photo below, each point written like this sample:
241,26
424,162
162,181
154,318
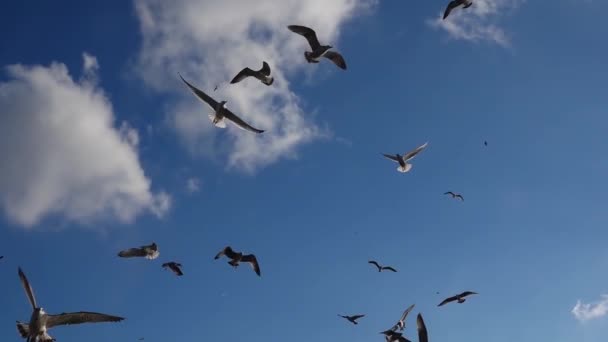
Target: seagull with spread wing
263,74
393,336
455,3
353,319
40,321
401,323
381,268
459,297
403,159
236,258
174,267
148,252
454,195
220,111
318,50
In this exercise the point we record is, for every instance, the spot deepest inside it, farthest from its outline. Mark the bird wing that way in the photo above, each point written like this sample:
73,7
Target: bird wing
308,33
460,196
28,288
132,252
240,122
356,317
201,95
467,293
389,268
227,251
176,269
423,335
403,339
407,312
336,58
390,157
251,259
411,154
79,318
246,72
453,4
375,263
449,193
447,300
265,69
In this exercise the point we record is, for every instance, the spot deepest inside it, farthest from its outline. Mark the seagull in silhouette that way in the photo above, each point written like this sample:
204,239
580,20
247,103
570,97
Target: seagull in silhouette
458,297
263,74
423,335
455,3
40,321
1,257
174,266
401,323
485,143
458,196
148,252
393,336
318,50
381,268
403,159
236,258
353,319
220,111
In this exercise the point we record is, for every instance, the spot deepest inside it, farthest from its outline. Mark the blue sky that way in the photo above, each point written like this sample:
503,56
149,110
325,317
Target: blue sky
117,153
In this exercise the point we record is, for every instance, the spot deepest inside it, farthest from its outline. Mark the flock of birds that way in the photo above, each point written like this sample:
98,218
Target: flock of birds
36,330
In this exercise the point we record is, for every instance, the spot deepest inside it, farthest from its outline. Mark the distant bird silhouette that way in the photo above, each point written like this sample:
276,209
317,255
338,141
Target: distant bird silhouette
1,257
458,196
214,89
458,297
381,268
263,75
455,3
148,252
353,319
401,323
236,258
402,160
423,335
318,50
485,143
174,266
220,111
40,321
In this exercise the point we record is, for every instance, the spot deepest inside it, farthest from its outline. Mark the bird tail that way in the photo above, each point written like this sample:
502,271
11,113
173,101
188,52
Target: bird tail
405,168
270,81
23,329
220,124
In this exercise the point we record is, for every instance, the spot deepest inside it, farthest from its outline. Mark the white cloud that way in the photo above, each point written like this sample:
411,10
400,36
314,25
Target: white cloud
478,22
208,42
193,185
587,311
60,153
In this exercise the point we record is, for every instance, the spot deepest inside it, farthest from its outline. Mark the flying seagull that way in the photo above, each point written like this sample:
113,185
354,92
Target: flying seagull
1,257
40,321
263,74
237,258
353,319
401,323
220,111
459,196
403,159
455,3
318,50
381,268
423,335
393,336
149,252
458,297
175,267
485,143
